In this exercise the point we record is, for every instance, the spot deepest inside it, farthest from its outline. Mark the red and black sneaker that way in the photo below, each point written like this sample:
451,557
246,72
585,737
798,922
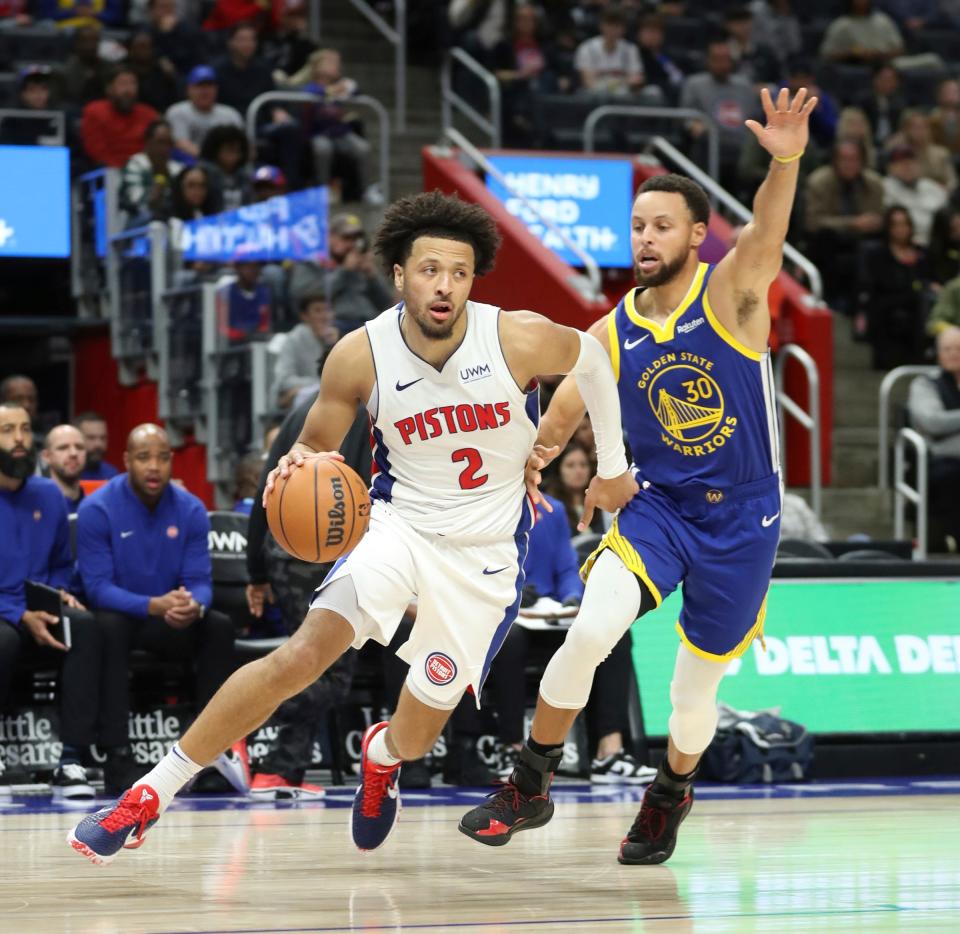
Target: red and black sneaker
653,836
504,813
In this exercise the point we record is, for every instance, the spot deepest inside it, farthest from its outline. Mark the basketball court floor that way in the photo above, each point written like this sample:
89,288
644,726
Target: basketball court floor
857,856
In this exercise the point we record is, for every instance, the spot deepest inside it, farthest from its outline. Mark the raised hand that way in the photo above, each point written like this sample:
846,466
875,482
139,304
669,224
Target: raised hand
787,128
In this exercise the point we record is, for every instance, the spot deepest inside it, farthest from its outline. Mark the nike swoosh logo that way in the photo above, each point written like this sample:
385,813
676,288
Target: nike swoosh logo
126,534
497,571
402,386
392,790
629,345
767,522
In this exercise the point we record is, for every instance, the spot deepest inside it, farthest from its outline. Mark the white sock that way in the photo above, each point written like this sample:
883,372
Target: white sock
170,774
377,751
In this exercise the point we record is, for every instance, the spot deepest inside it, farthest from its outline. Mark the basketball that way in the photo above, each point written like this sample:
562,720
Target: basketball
320,511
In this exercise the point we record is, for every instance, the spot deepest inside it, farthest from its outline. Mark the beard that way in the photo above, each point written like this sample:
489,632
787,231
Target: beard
18,468
667,272
436,330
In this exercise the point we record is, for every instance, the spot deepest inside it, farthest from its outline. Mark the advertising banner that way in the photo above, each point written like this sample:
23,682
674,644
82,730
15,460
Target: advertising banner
35,201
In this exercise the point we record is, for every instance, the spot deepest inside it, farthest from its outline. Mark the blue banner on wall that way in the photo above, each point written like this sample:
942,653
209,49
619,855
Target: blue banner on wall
290,226
34,201
588,199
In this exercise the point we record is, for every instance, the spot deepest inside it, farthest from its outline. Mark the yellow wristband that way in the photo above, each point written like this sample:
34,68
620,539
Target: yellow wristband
783,160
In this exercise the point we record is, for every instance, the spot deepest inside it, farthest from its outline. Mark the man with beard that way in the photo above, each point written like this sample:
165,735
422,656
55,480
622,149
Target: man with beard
450,385
689,348
143,556
64,456
93,427
35,547
112,128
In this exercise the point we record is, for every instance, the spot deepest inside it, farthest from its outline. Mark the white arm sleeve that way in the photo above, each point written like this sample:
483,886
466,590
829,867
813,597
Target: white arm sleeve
599,391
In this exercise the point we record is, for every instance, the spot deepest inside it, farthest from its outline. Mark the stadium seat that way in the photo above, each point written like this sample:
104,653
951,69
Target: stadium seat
869,554
803,548
228,555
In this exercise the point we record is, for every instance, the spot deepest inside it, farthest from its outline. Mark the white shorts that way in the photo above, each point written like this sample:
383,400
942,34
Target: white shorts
467,597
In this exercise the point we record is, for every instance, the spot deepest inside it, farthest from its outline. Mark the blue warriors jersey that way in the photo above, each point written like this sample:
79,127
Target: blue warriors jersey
697,405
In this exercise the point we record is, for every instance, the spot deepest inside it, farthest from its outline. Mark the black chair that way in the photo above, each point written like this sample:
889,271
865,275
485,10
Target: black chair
869,554
803,548
228,555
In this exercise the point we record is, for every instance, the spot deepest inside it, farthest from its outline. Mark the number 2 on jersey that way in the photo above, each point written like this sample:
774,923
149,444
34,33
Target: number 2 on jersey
470,477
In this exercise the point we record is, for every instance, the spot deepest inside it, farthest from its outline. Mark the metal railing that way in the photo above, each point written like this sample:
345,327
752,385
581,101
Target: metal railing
136,277
594,292
903,492
361,100
94,218
451,101
809,420
740,211
680,114
890,380
50,116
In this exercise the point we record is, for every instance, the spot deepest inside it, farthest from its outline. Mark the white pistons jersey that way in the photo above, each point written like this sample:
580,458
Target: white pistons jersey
450,445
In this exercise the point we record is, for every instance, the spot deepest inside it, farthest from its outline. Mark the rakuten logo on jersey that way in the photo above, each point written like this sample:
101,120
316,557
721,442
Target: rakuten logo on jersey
452,420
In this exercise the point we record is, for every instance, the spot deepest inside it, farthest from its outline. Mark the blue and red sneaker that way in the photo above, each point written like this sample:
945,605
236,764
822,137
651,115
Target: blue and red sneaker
102,835
376,806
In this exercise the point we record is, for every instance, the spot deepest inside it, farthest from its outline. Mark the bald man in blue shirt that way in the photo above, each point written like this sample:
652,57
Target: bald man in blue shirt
143,557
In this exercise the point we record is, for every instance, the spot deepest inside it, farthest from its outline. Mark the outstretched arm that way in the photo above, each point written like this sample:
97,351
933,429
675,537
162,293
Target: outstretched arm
738,287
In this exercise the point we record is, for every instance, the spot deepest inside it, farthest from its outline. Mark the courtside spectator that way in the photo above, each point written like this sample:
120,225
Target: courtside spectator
333,140
93,427
945,117
176,39
193,196
244,307
34,95
844,205
112,128
69,14
225,155
728,100
143,557
934,407
35,547
945,244
84,75
854,126
883,103
64,457
936,162
350,278
146,186
157,78
607,63
309,342
864,36
20,390
193,118
567,482
905,186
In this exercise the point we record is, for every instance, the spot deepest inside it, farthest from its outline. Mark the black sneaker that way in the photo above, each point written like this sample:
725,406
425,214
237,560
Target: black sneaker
653,836
504,813
70,783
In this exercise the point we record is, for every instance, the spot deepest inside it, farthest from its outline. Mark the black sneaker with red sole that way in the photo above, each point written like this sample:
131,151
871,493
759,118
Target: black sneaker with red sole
653,836
504,813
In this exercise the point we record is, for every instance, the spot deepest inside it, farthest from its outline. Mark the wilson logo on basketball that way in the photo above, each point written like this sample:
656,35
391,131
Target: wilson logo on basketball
440,668
336,514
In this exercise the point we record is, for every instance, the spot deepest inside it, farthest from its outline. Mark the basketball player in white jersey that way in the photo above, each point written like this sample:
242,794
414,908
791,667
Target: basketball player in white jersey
450,386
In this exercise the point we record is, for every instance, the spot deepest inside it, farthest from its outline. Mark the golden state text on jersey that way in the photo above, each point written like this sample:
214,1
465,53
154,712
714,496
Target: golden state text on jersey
697,405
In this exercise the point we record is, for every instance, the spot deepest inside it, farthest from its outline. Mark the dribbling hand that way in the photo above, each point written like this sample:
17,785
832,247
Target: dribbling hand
290,462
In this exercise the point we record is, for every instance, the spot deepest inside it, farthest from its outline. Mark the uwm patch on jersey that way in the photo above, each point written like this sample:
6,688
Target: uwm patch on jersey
450,444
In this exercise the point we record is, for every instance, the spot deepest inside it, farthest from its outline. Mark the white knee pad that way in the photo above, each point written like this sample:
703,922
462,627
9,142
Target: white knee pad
611,602
693,694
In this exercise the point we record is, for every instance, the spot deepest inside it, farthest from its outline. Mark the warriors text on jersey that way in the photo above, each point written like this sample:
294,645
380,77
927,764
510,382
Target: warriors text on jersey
450,444
698,406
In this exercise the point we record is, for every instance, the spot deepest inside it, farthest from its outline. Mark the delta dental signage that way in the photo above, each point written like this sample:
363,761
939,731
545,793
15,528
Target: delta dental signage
588,199
870,656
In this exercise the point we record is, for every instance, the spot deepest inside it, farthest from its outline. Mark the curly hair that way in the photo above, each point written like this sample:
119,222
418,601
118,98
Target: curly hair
434,214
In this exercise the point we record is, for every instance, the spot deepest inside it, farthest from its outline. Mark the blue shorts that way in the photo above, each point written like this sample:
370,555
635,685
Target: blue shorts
719,542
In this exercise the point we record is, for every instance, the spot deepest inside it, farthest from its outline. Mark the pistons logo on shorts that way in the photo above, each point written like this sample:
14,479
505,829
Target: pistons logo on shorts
440,668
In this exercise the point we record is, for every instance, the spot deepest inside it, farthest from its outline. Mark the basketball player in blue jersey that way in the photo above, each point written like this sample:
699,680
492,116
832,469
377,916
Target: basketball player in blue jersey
689,349
450,385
